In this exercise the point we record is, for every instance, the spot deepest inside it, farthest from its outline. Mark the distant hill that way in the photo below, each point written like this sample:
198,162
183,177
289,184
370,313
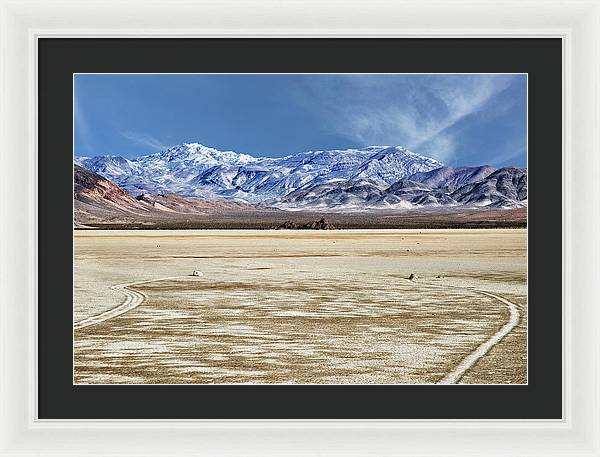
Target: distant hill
450,187
97,199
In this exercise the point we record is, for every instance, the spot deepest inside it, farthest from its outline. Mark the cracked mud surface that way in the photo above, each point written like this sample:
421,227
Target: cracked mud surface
300,307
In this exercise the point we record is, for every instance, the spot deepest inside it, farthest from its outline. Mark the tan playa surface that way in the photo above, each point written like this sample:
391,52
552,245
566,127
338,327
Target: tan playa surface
324,307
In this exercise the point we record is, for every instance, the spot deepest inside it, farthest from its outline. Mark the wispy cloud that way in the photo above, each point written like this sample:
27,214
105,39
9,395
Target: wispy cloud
508,158
406,110
443,146
145,140
493,133
83,135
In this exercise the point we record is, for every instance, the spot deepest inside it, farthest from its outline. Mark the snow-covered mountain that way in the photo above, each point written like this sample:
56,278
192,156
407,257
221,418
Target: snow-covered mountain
447,186
503,188
370,177
192,169
452,177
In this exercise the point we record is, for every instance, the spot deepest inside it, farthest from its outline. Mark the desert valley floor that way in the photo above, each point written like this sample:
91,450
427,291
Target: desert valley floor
311,307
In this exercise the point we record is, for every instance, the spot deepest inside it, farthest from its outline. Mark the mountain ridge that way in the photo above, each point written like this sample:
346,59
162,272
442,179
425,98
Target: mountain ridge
97,199
373,177
192,169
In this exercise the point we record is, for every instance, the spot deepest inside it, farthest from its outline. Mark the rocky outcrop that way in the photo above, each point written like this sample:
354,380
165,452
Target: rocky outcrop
320,224
287,225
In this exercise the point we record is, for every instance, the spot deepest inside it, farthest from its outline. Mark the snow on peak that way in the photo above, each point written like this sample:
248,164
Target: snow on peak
198,153
195,169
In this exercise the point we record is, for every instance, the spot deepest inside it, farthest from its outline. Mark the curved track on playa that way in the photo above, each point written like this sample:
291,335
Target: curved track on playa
467,363
134,298
454,376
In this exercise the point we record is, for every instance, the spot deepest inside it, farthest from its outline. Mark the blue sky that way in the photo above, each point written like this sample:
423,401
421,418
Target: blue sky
457,119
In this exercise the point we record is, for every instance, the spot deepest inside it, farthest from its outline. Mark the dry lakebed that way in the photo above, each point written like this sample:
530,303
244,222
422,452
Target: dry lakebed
300,307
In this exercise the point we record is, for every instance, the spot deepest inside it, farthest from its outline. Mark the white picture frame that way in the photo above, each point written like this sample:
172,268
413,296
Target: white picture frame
576,22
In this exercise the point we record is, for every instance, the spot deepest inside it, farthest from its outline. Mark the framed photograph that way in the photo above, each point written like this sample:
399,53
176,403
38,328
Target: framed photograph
332,266
261,237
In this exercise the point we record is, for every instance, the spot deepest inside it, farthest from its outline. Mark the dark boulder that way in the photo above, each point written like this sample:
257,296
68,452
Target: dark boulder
287,225
321,224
